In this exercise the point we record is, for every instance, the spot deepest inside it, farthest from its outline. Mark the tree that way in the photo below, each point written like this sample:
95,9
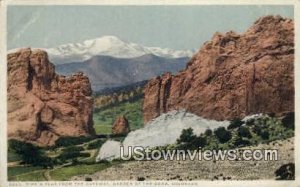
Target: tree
208,132
241,142
187,135
222,134
265,134
250,122
235,123
257,129
189,141
244,132
198,142
31,154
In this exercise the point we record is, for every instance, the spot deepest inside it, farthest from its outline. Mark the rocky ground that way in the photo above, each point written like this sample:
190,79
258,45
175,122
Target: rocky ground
200,170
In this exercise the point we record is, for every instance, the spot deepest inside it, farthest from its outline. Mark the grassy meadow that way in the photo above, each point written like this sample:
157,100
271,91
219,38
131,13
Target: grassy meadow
104,117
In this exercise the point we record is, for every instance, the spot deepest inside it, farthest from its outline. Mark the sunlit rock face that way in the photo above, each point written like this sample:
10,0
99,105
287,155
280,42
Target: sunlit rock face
42,105
232,75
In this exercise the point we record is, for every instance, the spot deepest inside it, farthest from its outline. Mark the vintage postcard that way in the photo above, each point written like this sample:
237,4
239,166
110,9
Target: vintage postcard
149,93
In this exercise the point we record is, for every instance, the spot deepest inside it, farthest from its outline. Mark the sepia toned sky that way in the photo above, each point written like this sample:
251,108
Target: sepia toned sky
177,27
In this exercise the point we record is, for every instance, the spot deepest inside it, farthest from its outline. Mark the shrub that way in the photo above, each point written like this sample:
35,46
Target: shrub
84,155
73,149
106,161
241,142
140,178
235,123
30,154
288,120
198,142
72,155
250,122
265,135
74,162
95,145
222,134
68,155
69,141
187,135
244,132
208,132
189,141
257,129
286,172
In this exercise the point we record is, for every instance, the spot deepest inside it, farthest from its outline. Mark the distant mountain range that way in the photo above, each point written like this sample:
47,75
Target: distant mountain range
110,62
106,72
108,46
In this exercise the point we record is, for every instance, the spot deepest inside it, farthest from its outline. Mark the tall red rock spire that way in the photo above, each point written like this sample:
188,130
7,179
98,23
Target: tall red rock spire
42,106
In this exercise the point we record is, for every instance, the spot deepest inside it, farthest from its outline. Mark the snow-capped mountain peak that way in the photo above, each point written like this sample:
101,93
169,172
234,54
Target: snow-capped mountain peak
109,46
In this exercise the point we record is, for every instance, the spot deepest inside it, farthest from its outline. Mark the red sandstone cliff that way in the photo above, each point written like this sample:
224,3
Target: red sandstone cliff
232,75
42,105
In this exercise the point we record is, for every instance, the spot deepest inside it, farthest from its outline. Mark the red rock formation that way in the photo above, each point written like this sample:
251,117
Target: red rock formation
42,105
121,126
232,75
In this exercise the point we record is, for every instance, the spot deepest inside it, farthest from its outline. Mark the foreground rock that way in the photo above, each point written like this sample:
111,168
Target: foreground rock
233,75
121,126
42,106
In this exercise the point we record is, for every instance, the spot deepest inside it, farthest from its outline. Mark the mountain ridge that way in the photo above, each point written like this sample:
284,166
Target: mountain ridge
108,46
107,72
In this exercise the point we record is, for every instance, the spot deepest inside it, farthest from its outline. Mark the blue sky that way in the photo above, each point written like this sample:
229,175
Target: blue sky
177,27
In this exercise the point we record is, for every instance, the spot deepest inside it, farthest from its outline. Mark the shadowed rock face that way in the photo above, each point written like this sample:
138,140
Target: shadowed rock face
42,106
121,126
233,75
